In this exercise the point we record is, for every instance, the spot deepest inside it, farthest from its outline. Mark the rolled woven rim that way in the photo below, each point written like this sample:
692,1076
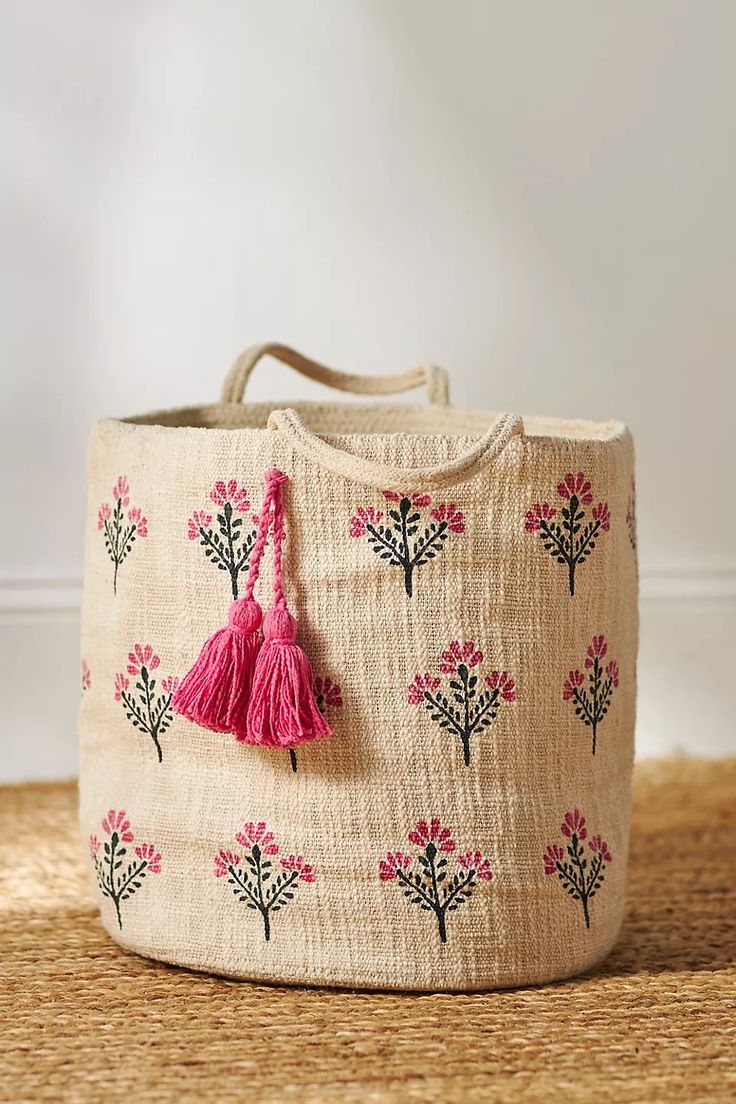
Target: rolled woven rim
373,473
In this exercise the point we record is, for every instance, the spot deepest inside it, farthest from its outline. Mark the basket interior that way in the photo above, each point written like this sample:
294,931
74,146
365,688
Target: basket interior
350,419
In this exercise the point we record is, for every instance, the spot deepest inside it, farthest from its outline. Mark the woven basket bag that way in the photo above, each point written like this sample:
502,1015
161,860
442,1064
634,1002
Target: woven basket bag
359,686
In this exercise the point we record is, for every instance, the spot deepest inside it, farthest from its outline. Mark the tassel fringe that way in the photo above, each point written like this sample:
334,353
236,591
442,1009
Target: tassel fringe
262,692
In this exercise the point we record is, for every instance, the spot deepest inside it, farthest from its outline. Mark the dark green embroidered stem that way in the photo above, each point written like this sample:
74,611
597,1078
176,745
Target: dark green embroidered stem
262,906
575,851
152,727
595,869
293,760
594,694
431,853
115,896
549,534
281,890
468,723
416,889
398,544
570,525
587,539
423,548
489,707
404,507
208,539
228,514
116,892
133,708
463,672
445,712
468,883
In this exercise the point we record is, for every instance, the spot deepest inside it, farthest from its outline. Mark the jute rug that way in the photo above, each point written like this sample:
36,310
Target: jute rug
81,1020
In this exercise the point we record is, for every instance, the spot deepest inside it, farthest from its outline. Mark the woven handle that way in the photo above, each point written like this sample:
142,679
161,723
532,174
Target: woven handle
427,375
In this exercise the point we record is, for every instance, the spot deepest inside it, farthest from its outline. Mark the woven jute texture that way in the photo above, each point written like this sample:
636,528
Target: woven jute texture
488,604
83,1020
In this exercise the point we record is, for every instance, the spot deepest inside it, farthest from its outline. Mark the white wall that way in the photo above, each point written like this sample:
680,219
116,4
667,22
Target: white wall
539,196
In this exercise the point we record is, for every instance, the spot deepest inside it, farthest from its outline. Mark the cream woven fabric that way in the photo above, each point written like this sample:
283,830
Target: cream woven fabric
435,839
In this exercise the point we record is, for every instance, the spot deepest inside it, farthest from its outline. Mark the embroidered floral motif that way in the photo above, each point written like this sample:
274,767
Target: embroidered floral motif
407,539
147,710
86,675
581,877
462,708
119,878
122,525
227,544
256,882
571,540
631,516
428,878
592,704
328,695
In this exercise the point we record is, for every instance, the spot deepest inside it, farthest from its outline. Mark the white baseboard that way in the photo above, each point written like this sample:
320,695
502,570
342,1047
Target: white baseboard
43,597
687,693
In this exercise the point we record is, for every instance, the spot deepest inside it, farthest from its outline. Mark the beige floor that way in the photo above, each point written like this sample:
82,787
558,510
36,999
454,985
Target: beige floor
81,1020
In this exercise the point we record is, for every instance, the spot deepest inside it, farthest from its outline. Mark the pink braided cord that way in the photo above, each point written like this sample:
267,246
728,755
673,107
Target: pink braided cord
279,601
272,514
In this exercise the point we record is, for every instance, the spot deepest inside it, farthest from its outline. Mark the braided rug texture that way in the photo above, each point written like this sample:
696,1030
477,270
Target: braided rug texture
82,1020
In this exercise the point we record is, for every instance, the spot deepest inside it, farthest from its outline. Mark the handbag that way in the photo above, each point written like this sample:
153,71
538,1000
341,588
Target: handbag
359,686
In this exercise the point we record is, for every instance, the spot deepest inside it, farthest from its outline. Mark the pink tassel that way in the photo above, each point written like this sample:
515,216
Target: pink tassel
264,694
215,691
283,710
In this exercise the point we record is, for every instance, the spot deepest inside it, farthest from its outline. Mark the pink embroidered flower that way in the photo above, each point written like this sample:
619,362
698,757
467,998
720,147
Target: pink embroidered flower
301,866
579,875
120,535
415,499
502,681
200,519
257,833
432,832
141,524
394,861
596,650
148,706
540,511
421,683
573,680
148,854
121,685
230,492
327,693
142,656
86,675
592,703
94,846
552,856
121,490
574,823
118,822
458,653
599,845
576,485
475,860
448,512
364,516
223,860
602,514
